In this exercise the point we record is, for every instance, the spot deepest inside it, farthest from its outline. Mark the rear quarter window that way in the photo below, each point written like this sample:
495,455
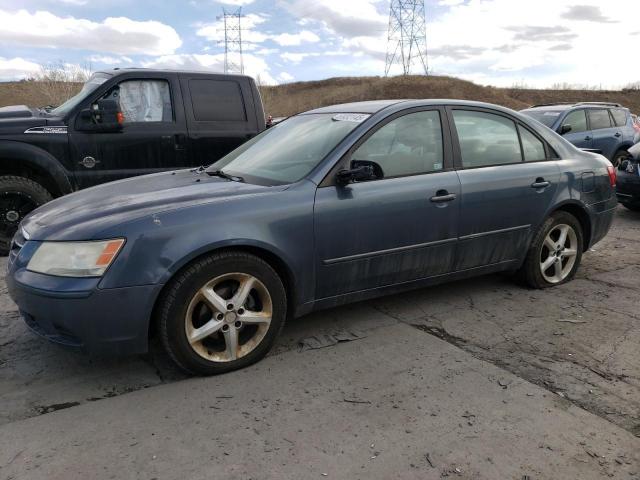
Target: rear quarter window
217,101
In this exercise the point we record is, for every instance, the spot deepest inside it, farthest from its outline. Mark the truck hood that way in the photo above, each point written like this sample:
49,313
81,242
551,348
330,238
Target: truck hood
83,215
17,119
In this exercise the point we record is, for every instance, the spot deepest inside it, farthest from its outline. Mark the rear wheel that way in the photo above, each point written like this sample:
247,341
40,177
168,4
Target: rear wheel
619,157
18,197
222,313
555,253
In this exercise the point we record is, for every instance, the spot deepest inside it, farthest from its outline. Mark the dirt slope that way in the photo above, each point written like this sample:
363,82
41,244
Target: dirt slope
291,98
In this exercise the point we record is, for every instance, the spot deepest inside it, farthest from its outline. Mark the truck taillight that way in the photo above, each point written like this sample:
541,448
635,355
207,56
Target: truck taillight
613,176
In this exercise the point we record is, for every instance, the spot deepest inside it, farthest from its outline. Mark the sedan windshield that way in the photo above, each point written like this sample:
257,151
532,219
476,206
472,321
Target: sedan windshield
545,117
90,85
290,150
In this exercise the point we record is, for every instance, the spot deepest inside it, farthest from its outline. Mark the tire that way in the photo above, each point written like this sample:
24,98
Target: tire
619,157
198,334
18,197
540,251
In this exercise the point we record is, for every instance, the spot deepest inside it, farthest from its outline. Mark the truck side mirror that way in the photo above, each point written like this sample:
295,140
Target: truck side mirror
105,116
566,128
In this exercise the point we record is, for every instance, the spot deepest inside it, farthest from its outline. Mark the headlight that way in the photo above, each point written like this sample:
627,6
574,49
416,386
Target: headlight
75,259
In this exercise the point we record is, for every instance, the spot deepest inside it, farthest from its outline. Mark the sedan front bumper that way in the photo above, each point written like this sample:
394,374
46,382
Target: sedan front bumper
99,321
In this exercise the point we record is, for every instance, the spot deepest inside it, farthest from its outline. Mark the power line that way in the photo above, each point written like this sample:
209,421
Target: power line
233,61
407,36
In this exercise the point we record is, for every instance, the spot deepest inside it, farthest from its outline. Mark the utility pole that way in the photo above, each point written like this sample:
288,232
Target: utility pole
407,36
233,62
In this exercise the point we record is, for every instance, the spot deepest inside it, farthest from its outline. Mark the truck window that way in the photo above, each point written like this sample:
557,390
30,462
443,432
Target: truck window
217,101
143,100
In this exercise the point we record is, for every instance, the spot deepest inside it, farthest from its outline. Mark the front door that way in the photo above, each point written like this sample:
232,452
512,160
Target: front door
399,227
508,182
153,137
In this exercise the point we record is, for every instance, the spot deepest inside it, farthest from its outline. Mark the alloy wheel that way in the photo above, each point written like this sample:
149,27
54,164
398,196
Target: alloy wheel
228,317
558,253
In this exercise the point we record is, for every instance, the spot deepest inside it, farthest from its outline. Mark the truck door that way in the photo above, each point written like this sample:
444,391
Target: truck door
153,137
220,115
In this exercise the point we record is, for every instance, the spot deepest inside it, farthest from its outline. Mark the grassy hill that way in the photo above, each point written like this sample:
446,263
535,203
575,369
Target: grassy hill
283,100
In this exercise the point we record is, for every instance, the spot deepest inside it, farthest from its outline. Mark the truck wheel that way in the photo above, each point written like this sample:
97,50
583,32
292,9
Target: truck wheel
18,197
222,313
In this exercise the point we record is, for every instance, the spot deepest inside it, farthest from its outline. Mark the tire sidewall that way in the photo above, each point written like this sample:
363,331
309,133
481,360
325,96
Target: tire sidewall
177,302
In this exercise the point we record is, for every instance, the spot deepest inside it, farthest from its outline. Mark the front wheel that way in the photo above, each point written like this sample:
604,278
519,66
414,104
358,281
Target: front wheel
222,313
555,253
18,197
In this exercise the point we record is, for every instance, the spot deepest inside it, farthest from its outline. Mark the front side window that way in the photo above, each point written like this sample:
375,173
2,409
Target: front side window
486,139
290,150
408,145
143,100
577,120
532,147
599,119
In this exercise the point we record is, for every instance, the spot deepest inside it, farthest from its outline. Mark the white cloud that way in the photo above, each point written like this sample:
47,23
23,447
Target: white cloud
253,65
74,2
119,35
285,77
239,3
291,39
214,31
297,57
107,60
17,68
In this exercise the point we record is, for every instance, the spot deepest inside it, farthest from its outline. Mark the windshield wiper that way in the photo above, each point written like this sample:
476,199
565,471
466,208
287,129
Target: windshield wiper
221,174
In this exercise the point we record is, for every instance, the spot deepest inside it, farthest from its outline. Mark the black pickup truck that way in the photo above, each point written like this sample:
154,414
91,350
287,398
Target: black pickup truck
124,122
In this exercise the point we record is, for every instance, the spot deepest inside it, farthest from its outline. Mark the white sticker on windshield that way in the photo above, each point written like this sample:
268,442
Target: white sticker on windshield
351,117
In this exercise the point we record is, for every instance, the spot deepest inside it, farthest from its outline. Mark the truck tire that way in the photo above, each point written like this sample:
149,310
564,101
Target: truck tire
18,197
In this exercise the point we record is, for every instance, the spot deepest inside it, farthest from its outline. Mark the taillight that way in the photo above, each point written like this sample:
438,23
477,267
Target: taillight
613,176
120,117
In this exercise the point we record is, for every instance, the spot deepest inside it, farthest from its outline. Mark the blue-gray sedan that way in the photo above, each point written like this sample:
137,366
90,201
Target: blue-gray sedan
331,206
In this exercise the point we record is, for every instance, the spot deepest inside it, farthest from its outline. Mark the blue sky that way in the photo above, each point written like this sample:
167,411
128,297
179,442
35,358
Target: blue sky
498,42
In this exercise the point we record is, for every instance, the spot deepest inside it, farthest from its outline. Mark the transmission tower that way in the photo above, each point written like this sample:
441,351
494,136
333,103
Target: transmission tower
407,37
233,62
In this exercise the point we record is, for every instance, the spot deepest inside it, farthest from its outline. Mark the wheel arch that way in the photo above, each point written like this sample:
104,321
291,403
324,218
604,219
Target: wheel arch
581,214
25,160
271,257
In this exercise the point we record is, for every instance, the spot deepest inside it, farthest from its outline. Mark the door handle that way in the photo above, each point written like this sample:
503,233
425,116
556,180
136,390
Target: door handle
443,196
618,135
587,138
540,183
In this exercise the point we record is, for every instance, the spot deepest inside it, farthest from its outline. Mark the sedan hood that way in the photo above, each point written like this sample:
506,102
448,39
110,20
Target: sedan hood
83,215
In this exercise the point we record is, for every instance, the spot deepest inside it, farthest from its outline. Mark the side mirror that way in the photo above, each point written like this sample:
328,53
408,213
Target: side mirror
105,116
566,128
360,171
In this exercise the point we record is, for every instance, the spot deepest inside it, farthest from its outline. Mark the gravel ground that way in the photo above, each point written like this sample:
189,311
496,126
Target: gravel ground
578,341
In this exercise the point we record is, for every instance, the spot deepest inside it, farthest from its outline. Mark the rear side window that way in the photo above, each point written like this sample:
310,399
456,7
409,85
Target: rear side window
599,119
217,101
486,139
577,120
619,116
532,147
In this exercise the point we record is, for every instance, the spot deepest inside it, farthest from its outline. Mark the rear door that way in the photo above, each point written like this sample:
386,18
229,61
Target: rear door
606,135
504,197
580,134
220,115
397,228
